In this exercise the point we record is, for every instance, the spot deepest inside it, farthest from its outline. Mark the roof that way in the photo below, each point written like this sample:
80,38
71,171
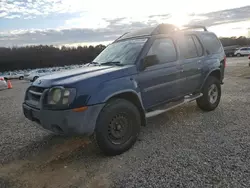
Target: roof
157,30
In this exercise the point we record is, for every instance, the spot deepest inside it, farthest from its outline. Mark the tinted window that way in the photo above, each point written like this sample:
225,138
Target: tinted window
244,49
164,50
198,46
187,47
211,43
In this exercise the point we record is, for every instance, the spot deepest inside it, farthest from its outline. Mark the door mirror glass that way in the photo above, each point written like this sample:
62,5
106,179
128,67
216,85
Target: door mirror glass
150,60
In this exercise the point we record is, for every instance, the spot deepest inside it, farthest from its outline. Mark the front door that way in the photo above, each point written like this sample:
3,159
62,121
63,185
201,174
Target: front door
159,80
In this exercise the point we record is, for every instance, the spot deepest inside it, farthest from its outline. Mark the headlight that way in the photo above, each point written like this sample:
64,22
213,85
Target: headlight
60,96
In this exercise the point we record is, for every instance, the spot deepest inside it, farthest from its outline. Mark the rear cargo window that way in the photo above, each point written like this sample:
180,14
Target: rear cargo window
211,43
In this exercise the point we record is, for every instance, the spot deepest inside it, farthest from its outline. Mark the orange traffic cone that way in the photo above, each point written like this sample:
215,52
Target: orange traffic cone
9,84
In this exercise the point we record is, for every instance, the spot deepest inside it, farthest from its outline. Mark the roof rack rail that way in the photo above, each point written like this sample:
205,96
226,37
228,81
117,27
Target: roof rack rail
187,27
164,29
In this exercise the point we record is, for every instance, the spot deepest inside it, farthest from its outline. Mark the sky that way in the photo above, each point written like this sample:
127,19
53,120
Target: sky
92,22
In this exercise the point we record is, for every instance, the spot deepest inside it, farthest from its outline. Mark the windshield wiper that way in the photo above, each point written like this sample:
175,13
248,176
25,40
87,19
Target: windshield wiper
92,63
118,63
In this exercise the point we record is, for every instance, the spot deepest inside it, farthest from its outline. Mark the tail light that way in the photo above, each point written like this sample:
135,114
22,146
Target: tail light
249,57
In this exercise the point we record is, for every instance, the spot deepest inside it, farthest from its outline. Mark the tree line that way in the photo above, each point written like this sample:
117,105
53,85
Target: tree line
17,58
30,57
241,41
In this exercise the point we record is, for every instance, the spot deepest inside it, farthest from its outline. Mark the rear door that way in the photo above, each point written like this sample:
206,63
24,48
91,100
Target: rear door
191,52
158,82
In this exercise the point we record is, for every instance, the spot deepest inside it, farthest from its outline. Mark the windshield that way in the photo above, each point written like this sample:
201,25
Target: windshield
124,52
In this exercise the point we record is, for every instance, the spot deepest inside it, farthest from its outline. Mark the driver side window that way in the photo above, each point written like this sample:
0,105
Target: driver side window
163,50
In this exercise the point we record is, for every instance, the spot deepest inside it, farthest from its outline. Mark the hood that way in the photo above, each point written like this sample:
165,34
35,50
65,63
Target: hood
97,73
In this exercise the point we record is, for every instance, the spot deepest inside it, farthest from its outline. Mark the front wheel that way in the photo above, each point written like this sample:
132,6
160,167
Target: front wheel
117,127
211,94
21,78
238,55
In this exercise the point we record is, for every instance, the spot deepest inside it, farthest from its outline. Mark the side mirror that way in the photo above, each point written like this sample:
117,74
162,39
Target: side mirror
149,61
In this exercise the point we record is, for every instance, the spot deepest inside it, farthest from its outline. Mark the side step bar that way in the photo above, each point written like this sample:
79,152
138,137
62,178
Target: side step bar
187,99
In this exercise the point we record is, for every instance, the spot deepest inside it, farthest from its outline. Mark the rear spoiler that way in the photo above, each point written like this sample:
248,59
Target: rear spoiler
189,27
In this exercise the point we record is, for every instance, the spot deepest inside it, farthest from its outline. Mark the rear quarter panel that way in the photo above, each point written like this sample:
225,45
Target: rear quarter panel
212,61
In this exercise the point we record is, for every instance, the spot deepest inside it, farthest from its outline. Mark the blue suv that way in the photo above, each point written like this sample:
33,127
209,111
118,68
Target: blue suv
140,75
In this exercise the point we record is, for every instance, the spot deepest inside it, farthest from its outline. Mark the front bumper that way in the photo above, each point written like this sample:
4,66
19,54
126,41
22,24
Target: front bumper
65,122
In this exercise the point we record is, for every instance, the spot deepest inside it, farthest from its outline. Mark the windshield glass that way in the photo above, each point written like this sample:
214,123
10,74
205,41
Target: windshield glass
124,52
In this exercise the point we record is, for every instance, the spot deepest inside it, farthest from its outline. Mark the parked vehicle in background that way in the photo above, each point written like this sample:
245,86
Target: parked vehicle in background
140,75
229,50
13,75
35,74
3,84
245,51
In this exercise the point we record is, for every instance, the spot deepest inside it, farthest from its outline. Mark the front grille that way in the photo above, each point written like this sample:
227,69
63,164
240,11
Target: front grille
34,95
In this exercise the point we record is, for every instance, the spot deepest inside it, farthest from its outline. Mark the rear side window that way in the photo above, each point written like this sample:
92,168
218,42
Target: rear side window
187,47
164,50
244,49
211,43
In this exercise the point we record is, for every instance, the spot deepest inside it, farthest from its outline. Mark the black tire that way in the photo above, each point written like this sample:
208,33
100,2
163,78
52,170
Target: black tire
21,78
117,111
238,55
204,102
35,78
5,79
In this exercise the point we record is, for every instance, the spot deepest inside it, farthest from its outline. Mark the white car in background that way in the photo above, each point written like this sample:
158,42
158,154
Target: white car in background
13,75
242,51
3,84
33,75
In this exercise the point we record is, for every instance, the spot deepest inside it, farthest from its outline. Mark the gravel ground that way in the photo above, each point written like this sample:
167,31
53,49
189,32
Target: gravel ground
182,148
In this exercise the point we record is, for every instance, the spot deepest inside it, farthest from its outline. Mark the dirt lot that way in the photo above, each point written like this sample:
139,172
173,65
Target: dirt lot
182,148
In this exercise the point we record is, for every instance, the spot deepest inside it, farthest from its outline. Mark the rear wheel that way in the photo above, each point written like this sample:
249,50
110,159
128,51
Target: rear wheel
117,127
21,78
211,94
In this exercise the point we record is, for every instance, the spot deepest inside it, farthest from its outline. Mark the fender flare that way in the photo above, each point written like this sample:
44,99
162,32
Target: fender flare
124,91
217,69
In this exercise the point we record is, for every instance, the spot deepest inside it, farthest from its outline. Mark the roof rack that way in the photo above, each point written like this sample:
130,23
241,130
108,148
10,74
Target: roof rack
188,27
153,30
164,29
